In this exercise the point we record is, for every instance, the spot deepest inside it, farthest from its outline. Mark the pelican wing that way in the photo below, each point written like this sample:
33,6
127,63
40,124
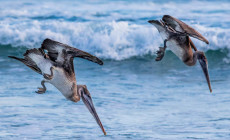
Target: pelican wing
182,27
36,60
62,53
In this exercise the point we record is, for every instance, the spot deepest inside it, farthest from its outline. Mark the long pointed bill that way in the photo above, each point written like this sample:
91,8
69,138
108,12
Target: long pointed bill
204,65
89,104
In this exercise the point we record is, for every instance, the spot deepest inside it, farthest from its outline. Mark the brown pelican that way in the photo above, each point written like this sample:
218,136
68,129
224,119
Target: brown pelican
175,34
57,69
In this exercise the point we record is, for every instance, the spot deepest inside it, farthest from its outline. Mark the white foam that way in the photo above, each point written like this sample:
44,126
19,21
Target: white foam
105,35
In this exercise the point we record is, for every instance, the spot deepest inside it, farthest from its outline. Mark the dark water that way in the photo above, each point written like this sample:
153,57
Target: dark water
135,96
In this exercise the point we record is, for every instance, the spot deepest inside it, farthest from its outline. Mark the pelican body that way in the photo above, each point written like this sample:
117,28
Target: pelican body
176,35
57,68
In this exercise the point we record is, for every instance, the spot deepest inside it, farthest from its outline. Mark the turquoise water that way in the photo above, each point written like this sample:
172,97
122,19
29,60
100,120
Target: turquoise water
135,96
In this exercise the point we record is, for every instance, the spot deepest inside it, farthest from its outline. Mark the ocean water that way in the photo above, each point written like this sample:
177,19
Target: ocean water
135,96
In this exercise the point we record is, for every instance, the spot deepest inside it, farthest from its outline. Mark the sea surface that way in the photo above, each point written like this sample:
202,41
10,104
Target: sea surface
135,96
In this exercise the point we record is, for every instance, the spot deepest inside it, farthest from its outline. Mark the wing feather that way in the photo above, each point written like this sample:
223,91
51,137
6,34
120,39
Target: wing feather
182,27
63,53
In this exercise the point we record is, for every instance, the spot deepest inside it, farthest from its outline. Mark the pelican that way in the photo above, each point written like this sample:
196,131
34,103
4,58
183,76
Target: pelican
176,35
57,68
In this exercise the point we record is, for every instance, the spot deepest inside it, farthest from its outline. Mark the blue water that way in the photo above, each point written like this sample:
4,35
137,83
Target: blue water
135,96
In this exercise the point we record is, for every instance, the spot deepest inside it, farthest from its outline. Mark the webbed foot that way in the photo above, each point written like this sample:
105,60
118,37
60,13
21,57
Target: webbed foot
47,76
160,53
43,89
40,90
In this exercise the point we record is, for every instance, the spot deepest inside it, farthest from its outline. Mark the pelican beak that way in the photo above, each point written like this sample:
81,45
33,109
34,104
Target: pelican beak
89,104
204,64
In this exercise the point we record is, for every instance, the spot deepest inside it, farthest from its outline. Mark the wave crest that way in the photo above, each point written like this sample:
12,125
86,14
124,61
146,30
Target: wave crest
111,40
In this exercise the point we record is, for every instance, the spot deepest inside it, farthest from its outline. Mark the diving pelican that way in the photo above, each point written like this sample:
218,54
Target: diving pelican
57,69
176,35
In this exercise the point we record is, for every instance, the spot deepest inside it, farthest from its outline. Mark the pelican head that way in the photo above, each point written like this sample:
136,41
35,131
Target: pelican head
86,98
204,65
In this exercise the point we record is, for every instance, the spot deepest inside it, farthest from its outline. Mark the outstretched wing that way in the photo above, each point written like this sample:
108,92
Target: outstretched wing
182,27
62,53
36,60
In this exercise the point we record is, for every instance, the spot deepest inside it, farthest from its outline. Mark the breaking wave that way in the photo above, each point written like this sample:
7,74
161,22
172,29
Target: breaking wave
112,34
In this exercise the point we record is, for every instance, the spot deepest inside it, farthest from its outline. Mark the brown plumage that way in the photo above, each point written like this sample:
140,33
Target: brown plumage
176,35
57,68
